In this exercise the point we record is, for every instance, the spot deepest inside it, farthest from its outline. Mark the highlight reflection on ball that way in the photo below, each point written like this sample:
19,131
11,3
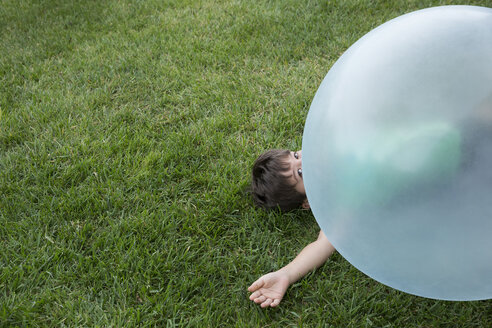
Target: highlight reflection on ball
397,153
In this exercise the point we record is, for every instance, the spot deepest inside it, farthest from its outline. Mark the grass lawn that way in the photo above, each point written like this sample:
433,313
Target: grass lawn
127,134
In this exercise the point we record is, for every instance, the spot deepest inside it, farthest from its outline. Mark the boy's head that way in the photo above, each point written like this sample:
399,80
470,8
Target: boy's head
277,180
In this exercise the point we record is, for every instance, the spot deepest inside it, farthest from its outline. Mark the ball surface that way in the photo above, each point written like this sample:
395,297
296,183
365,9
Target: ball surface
397,153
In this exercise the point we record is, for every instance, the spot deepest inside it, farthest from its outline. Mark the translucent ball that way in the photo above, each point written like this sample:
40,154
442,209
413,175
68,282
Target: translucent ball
397,153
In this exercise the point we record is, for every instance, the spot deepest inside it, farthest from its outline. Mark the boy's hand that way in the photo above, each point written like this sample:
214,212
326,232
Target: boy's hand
269,289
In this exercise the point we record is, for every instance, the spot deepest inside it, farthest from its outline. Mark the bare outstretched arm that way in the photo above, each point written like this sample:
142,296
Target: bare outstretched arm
269,289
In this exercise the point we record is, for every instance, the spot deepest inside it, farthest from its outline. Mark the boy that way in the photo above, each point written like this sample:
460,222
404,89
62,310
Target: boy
277,183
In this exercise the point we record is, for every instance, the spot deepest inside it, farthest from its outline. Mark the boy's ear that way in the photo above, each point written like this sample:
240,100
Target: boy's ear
305,204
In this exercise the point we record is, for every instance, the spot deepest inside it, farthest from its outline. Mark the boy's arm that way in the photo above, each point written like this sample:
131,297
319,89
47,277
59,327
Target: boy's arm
310,258
270,288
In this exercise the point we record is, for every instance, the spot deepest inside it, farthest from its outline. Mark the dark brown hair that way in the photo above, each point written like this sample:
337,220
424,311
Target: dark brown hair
270,185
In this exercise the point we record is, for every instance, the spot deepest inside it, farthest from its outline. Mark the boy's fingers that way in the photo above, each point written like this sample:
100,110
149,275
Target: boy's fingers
275,302
257,284
254,295
266,303
260,299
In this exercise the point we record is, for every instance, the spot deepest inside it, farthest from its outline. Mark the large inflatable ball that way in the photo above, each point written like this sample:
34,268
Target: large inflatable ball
397,153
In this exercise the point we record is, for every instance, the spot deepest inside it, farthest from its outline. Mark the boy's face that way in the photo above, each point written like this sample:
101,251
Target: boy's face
295,172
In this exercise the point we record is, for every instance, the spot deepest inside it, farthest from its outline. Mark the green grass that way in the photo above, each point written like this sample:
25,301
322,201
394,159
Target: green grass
127,134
